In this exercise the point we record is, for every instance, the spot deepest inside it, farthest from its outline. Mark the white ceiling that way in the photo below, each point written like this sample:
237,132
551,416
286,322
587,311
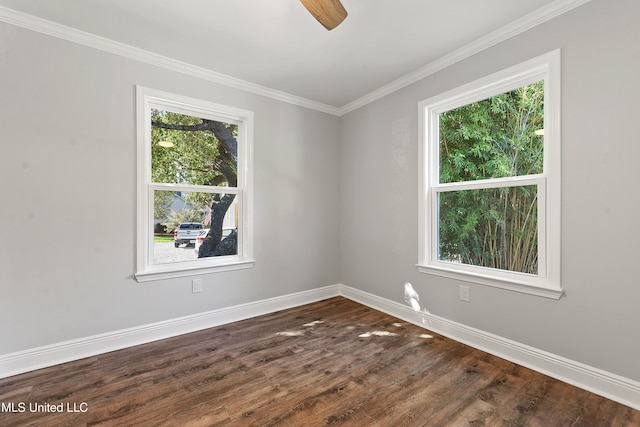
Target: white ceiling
277,44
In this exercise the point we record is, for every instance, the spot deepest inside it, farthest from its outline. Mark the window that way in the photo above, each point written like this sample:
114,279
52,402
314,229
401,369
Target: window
490,180
194,186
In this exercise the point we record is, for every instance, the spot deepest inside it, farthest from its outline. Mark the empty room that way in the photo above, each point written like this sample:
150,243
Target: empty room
320,212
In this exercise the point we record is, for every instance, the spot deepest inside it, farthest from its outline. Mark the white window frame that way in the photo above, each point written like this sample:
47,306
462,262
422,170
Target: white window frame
146,270
547,282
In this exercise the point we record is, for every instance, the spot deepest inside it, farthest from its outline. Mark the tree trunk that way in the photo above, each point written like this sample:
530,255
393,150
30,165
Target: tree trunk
214,244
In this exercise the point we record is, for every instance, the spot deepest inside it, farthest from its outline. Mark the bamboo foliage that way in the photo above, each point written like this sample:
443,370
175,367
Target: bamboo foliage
495,138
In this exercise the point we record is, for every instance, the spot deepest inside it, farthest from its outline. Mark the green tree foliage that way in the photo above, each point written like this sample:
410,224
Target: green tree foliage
494,138
201,152
194,157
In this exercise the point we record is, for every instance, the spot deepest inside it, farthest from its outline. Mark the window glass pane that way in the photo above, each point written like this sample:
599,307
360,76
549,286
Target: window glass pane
192,225
494,227
499,137
191,150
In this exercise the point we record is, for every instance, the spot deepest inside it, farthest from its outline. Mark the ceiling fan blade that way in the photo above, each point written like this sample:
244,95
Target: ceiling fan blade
330,13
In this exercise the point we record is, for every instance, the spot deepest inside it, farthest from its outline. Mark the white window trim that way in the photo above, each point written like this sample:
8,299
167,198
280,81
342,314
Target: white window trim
145,269
547,282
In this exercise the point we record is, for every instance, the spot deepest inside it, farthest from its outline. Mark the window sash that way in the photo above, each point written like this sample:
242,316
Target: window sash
241,249
433,251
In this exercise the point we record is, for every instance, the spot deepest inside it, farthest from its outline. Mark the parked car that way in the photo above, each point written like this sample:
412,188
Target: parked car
203,235
200,239
187,233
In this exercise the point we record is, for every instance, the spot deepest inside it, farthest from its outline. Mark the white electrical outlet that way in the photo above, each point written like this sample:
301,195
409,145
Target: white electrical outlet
196,286
464,293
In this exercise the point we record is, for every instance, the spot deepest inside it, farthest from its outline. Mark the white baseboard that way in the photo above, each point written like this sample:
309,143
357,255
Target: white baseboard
55,354
606,384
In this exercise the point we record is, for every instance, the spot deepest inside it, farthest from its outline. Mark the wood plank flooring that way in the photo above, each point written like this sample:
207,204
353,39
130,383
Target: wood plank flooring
334,362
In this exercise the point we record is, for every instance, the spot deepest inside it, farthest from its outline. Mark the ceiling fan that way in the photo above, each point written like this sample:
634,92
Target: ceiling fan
330,13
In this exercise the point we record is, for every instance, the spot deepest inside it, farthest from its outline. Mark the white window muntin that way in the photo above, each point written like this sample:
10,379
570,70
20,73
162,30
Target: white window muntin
146,270
547,281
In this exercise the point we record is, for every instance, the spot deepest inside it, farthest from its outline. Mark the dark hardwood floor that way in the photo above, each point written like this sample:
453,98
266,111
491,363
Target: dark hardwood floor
334,362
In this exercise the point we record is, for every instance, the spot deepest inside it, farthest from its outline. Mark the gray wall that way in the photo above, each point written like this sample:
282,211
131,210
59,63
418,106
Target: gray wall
67,177
596,323
335,198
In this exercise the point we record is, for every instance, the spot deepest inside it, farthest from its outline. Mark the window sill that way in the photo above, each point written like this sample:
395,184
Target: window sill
161,272
493,281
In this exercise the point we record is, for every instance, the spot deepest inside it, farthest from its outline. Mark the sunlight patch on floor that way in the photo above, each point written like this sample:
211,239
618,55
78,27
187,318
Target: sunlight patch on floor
378,334
315,322
291,333
409,293
300,333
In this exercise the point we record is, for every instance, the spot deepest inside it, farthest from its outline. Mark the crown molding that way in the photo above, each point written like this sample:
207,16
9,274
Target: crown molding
64,32
518,26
